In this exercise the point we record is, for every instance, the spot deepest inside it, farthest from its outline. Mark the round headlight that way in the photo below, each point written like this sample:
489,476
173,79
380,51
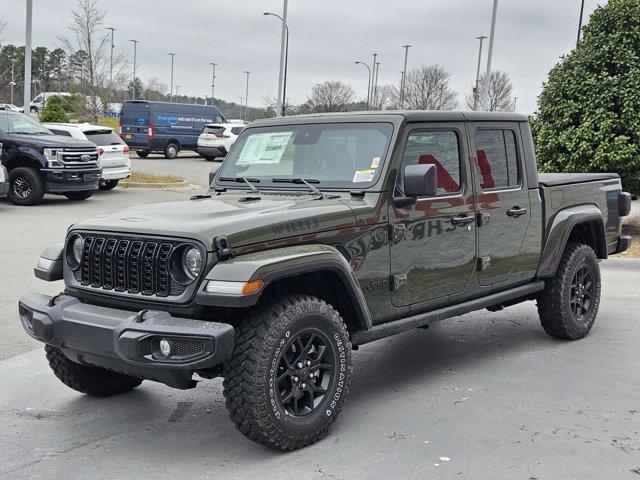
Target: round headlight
192,261
75,248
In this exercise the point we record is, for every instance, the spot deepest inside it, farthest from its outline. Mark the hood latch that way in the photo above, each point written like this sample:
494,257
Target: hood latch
223,248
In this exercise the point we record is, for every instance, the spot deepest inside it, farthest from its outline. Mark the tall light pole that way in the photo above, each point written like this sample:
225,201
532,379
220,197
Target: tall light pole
374,93
172,55
246,97
283,46
241,106
135,52
13,77
373,76
213,80
580,22
487,76
111,64
404,74
368,82
515,102
27,58
177,90
283,104
476,91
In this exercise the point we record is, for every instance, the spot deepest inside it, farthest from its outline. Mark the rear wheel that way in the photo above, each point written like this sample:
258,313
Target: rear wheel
290,372
142,153
81,195
107,184
171,150
209,158
569,304
93,381
25,186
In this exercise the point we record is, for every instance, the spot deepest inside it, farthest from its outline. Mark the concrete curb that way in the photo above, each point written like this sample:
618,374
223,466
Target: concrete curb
156,186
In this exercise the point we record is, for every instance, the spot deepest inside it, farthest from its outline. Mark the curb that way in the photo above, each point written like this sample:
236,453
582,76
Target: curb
155,186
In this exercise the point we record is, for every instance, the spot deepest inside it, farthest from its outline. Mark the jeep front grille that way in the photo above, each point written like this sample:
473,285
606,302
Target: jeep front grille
128,264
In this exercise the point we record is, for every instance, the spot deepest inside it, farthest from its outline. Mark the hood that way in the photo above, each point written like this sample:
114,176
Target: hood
244,219
51,141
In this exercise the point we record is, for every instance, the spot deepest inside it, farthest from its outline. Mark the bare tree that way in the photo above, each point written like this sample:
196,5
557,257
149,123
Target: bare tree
386,97
427,88
89,36
500,96
3,25
330,96
155,90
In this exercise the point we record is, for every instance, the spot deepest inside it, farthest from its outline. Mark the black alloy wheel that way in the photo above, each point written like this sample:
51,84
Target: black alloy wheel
21,187
582,293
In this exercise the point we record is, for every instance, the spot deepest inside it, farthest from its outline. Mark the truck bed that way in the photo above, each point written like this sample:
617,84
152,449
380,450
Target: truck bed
557,179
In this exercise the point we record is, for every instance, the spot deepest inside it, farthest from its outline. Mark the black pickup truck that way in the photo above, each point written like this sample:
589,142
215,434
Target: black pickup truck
40,162
322,233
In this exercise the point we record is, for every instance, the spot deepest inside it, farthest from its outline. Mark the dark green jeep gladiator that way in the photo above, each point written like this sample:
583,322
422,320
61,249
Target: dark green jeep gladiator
322,233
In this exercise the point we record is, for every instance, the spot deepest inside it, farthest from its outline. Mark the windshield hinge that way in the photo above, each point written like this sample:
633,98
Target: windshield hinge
223,249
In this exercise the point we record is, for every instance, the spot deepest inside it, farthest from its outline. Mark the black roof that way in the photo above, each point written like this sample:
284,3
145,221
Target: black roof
411,116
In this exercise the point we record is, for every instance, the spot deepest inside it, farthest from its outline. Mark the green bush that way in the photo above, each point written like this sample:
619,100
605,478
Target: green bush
588,116
54,111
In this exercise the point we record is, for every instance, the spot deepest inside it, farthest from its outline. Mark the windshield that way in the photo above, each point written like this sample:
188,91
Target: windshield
332,154
22,124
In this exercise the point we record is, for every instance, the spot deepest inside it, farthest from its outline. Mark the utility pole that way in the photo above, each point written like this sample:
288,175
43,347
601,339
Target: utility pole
515,102
476,91
283,46
27,58
171,94
242,107
373,76
404,74
135,48
213,80
376,70
13,77
368,81
111,65
487,76
246,96
580,23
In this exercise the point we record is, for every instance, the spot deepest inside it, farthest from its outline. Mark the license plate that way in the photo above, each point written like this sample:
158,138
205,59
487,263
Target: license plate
128,136
88,177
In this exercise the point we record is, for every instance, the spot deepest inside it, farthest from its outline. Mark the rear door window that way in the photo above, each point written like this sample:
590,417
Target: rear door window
135,114
497,159
103,137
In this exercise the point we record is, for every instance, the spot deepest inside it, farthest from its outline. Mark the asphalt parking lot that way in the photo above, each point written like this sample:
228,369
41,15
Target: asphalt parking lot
483,396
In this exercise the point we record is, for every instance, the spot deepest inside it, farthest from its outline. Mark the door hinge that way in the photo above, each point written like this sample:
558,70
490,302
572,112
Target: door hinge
397,232
483,263
399,281
482,218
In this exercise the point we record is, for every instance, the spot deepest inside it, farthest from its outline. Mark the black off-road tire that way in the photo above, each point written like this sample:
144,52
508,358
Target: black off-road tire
171,150
107,184
555,301
93,381
29,179
79,195
142,153
257,408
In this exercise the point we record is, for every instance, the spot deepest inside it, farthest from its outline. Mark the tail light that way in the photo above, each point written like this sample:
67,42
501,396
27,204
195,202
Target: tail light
150,131
222,135
126,149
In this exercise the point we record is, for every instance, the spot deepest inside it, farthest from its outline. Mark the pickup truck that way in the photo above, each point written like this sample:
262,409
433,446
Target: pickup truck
319,234
40,162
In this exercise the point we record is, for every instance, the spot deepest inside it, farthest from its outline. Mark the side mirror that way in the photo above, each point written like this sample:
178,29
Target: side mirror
420,181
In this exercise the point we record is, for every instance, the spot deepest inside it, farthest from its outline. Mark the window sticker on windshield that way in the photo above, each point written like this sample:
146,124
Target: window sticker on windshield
262,148
375,161
364,175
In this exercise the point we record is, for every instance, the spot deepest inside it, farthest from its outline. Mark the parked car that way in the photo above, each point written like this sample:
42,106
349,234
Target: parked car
162,127
40,162
4,179
323,233
40,101
11,107
217,138
114,152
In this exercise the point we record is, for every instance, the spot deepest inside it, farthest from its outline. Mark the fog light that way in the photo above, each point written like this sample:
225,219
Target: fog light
165,347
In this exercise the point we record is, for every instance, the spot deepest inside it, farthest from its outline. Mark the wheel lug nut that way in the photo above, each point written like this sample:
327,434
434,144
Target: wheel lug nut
303,385
308,362
295,379
300,365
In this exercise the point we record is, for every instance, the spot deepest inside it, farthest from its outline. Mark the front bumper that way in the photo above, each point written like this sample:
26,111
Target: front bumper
67,180
209,151
115,173
125,341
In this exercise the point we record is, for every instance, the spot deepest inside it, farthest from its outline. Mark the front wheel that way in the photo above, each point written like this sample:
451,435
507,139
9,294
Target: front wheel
81,195
569,304
25,186
107,184
289,373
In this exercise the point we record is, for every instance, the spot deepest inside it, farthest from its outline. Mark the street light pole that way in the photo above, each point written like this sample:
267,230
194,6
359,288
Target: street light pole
374,94
283,46
580,22
135,52
515,102
171,94
404,74
242,107
373,76
111,64
487,76
177,90
27,58
246,97
213,80
476,92
283,104
13,78
368,81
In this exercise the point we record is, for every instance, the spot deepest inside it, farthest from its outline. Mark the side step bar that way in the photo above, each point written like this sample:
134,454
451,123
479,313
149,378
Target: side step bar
398,326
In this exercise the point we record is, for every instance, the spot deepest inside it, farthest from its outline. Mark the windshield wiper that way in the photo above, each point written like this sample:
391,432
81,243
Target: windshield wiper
246,180
308,182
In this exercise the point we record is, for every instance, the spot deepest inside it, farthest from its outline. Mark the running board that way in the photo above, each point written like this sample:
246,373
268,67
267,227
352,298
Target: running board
398,326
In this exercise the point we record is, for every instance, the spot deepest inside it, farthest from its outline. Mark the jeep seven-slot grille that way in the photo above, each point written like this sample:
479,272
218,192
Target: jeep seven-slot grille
132,265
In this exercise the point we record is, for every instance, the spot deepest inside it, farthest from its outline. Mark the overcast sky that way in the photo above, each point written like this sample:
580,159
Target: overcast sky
326,38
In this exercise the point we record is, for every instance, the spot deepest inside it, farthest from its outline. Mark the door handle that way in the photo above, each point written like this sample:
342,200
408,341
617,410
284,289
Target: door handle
516,212
463,219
